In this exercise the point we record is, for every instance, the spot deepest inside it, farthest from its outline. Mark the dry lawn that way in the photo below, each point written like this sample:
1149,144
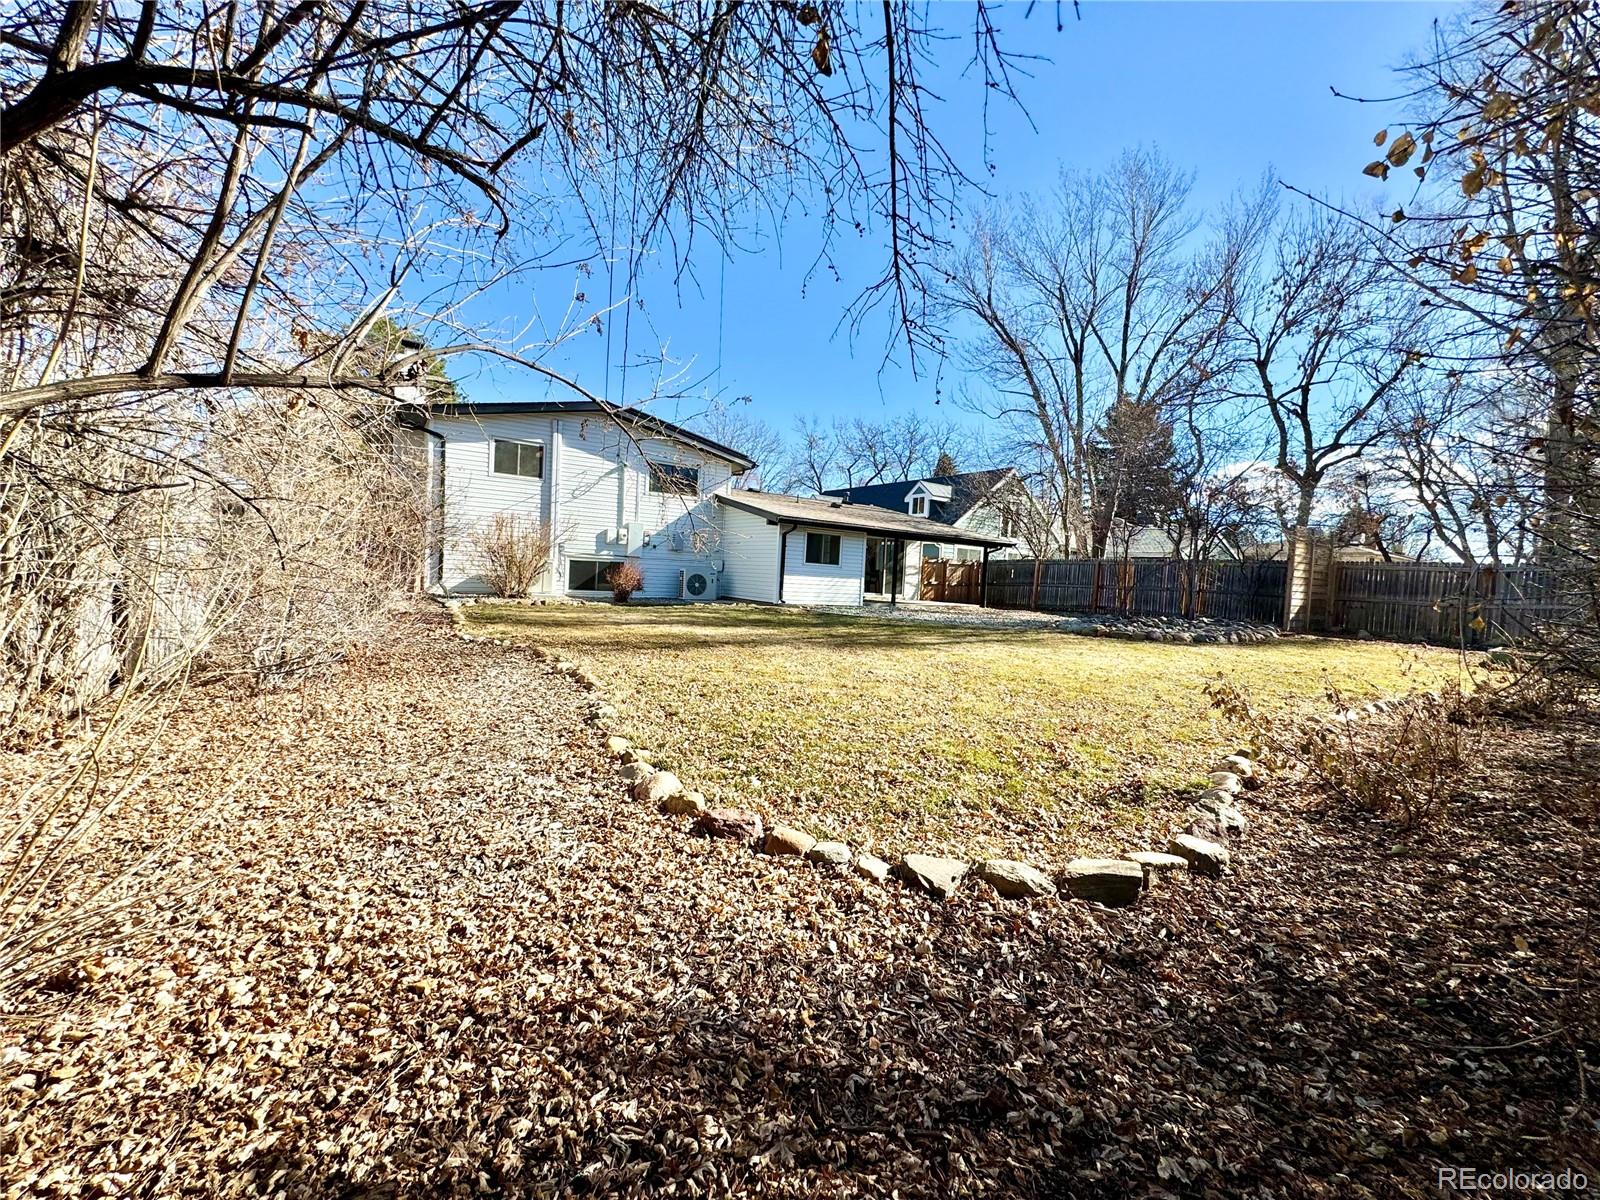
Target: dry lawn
902,735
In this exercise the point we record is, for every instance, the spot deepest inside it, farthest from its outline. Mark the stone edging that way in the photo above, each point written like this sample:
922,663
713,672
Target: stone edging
1202,846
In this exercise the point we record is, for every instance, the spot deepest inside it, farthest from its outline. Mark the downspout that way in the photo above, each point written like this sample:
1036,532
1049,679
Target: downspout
434,548
554,568
783,554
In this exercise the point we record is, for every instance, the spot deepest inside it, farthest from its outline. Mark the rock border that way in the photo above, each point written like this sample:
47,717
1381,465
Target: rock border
1204,846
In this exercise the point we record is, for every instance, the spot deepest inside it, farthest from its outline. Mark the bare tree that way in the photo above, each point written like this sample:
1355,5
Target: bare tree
1322,336
732,423
1102,291
860,452
415,121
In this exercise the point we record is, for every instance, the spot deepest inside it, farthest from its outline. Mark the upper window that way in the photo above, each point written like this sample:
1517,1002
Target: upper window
822,548
519,458
674,480
919,506
1008,524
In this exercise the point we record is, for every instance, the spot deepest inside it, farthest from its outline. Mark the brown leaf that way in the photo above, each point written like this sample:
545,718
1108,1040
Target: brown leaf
821,54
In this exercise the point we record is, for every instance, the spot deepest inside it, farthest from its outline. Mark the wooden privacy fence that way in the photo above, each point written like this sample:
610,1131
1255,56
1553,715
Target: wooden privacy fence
958,582
1158,587
1452,603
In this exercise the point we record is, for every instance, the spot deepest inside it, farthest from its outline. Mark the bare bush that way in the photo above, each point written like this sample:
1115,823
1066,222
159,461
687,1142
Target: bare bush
514,552
625,579
322,527
1405,765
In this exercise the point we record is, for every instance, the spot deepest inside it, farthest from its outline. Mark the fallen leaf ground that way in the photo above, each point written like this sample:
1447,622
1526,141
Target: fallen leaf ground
435,954
901,736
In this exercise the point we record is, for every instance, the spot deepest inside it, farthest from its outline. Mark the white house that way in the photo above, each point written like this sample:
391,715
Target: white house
616,486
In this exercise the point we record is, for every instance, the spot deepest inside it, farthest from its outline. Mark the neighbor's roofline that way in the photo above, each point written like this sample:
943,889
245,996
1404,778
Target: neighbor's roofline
636,416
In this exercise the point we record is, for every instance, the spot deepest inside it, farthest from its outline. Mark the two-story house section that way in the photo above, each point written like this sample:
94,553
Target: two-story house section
609,487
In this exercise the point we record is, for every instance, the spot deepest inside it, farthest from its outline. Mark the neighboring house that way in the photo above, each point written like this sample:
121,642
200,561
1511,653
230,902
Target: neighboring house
984,504
1150,541
615,486
1351,553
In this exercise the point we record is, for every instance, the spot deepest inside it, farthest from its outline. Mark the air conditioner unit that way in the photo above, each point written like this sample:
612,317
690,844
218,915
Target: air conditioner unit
697,585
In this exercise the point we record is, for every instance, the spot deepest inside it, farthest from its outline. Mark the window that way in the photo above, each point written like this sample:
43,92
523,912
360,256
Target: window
1008,524
919,506
674,480
823,548
587,575
930,550
519,458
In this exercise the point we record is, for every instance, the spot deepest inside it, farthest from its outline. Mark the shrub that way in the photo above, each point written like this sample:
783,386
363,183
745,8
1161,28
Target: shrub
514,552
1404,765
626,579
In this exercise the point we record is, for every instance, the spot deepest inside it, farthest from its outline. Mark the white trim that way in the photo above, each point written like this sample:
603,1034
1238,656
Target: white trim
544,454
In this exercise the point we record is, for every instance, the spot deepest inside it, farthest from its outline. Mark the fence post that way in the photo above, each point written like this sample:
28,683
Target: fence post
1033,598
1335,620
1295,547
1094,587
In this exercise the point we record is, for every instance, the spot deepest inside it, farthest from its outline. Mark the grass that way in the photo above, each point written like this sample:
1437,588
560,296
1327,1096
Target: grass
901,736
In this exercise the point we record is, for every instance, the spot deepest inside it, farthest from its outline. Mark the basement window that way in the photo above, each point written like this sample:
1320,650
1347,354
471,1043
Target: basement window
588,575
525,459
822,548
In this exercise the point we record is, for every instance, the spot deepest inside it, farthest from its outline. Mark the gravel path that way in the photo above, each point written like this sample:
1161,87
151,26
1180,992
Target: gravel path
1098,624
434,953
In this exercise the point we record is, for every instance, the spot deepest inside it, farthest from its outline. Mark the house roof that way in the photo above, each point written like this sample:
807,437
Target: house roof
950,497
647,422
1275,550
861,518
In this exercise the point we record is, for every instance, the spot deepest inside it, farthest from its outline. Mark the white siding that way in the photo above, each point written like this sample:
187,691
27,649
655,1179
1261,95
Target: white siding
749,556
474,494
595,497
815,583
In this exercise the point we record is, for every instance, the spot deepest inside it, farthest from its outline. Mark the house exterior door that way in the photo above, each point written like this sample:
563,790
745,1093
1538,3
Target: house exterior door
884,567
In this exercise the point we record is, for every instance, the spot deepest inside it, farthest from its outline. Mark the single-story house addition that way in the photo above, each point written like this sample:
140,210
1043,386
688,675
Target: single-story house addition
615,486
795,550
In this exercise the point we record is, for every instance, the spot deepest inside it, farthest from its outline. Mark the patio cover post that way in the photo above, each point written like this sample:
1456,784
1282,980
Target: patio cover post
896,566
983,588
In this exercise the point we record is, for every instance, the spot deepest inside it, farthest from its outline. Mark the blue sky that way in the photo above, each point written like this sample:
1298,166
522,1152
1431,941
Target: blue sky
1230,90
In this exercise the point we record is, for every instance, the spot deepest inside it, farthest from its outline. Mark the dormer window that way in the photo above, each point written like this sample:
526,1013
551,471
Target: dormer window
919,505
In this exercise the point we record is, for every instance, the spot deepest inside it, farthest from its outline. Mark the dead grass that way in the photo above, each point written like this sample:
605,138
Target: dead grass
900,735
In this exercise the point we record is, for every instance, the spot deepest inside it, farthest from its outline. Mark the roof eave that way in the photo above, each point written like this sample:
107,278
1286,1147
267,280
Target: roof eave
945,533
634,416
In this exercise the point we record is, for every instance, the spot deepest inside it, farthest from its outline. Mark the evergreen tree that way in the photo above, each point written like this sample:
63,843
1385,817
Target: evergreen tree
1132,463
